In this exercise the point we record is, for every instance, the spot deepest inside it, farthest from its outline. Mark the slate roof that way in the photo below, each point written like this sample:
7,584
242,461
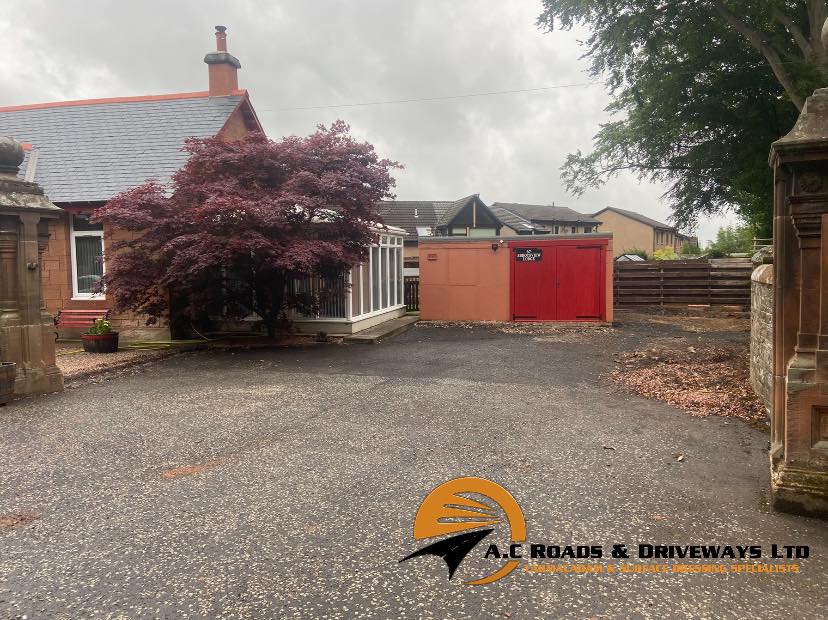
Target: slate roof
451,209
546,213
412,214
638,217
90,151
409,214
516,222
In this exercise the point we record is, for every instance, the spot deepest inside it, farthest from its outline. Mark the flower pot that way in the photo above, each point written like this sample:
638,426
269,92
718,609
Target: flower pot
100,343
8,372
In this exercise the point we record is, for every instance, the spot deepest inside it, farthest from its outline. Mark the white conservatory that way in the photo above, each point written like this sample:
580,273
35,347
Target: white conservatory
364,296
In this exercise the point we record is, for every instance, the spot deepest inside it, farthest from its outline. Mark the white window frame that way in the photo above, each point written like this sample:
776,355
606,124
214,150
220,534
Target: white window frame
357,312
74,234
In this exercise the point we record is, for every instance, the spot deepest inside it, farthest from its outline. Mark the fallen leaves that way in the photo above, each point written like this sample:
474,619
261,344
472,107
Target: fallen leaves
704,380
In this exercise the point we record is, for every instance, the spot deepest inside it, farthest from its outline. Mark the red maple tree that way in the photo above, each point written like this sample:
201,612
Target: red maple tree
240,221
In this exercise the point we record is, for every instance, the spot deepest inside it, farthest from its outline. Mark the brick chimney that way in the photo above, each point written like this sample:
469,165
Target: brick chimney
222,67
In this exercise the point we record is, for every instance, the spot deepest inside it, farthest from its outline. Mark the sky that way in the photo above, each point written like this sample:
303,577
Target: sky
307,53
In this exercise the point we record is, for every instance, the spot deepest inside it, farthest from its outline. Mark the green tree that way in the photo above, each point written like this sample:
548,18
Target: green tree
701,89
730,240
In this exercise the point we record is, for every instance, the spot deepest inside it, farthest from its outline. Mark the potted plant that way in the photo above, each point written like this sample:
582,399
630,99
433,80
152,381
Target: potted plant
100,338
8,372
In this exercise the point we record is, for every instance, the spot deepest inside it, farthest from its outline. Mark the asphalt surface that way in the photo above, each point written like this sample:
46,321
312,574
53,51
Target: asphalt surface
283,483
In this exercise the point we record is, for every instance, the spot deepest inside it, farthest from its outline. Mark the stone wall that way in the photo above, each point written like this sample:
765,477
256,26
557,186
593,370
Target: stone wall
761,331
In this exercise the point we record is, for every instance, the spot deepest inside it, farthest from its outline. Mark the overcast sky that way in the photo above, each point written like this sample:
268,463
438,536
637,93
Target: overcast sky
300,53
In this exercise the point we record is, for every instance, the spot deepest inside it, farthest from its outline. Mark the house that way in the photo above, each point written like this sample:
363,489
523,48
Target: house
84,152
633,231
465,217
526,219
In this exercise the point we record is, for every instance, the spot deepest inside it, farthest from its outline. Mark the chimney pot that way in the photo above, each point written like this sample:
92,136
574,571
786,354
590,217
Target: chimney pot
222,67
221,38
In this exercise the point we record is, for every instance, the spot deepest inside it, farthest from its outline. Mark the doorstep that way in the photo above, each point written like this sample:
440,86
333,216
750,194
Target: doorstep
386,329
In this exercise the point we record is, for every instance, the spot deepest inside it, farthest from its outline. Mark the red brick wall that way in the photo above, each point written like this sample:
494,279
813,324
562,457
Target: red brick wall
57,276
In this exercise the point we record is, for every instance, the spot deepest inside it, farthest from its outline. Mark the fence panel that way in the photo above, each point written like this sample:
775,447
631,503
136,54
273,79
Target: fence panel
723,281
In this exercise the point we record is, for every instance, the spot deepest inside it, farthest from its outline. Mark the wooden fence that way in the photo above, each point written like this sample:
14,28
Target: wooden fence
716,281
411,292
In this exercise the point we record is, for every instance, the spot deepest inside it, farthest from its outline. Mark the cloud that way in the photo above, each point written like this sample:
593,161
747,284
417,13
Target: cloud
299,53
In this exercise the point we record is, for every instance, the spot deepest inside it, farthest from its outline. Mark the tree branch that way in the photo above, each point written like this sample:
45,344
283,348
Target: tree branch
759,41
795,31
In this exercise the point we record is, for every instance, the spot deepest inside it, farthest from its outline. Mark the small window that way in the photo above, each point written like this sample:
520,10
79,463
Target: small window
557,230
587,229
574,229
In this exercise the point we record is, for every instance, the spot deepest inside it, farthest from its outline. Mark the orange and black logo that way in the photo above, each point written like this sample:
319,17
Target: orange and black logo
469,510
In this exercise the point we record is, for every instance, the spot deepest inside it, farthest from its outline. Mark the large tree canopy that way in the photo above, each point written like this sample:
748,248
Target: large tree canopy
702,87
241,220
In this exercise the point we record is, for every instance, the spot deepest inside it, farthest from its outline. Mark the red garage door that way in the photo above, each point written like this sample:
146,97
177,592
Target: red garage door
558,282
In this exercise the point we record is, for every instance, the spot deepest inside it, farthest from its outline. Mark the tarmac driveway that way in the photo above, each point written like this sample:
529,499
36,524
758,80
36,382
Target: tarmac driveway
284,483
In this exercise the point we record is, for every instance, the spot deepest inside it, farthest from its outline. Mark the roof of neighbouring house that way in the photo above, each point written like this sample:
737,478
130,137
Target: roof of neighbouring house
546,213
516,222
412,215
637,216
88,151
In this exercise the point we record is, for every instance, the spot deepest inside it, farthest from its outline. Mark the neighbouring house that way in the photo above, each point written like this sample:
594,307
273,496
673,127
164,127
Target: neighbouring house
523,219
466,217
633,231
85,152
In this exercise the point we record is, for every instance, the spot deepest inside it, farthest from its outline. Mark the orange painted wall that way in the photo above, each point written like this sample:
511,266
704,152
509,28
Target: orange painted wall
468,281
464,280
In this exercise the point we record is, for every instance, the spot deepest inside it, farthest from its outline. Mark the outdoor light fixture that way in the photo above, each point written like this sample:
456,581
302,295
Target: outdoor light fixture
496,246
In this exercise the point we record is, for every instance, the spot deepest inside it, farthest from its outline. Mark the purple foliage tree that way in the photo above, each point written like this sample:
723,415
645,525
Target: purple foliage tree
241,220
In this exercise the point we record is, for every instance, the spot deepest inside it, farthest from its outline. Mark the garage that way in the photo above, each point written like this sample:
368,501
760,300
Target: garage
565,278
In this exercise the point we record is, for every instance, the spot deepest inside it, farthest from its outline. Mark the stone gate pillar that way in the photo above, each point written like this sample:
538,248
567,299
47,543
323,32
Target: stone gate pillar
27,332
799,425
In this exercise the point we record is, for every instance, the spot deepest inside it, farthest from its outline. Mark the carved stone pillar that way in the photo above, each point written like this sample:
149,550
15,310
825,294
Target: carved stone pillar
27,332
799,430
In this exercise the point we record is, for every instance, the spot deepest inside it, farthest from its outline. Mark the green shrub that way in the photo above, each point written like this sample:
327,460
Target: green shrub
665,254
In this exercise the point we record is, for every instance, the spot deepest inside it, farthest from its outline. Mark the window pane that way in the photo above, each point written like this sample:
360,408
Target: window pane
392,268
356,291
80,223
375,278
88,255
400,287
366,287
384,281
